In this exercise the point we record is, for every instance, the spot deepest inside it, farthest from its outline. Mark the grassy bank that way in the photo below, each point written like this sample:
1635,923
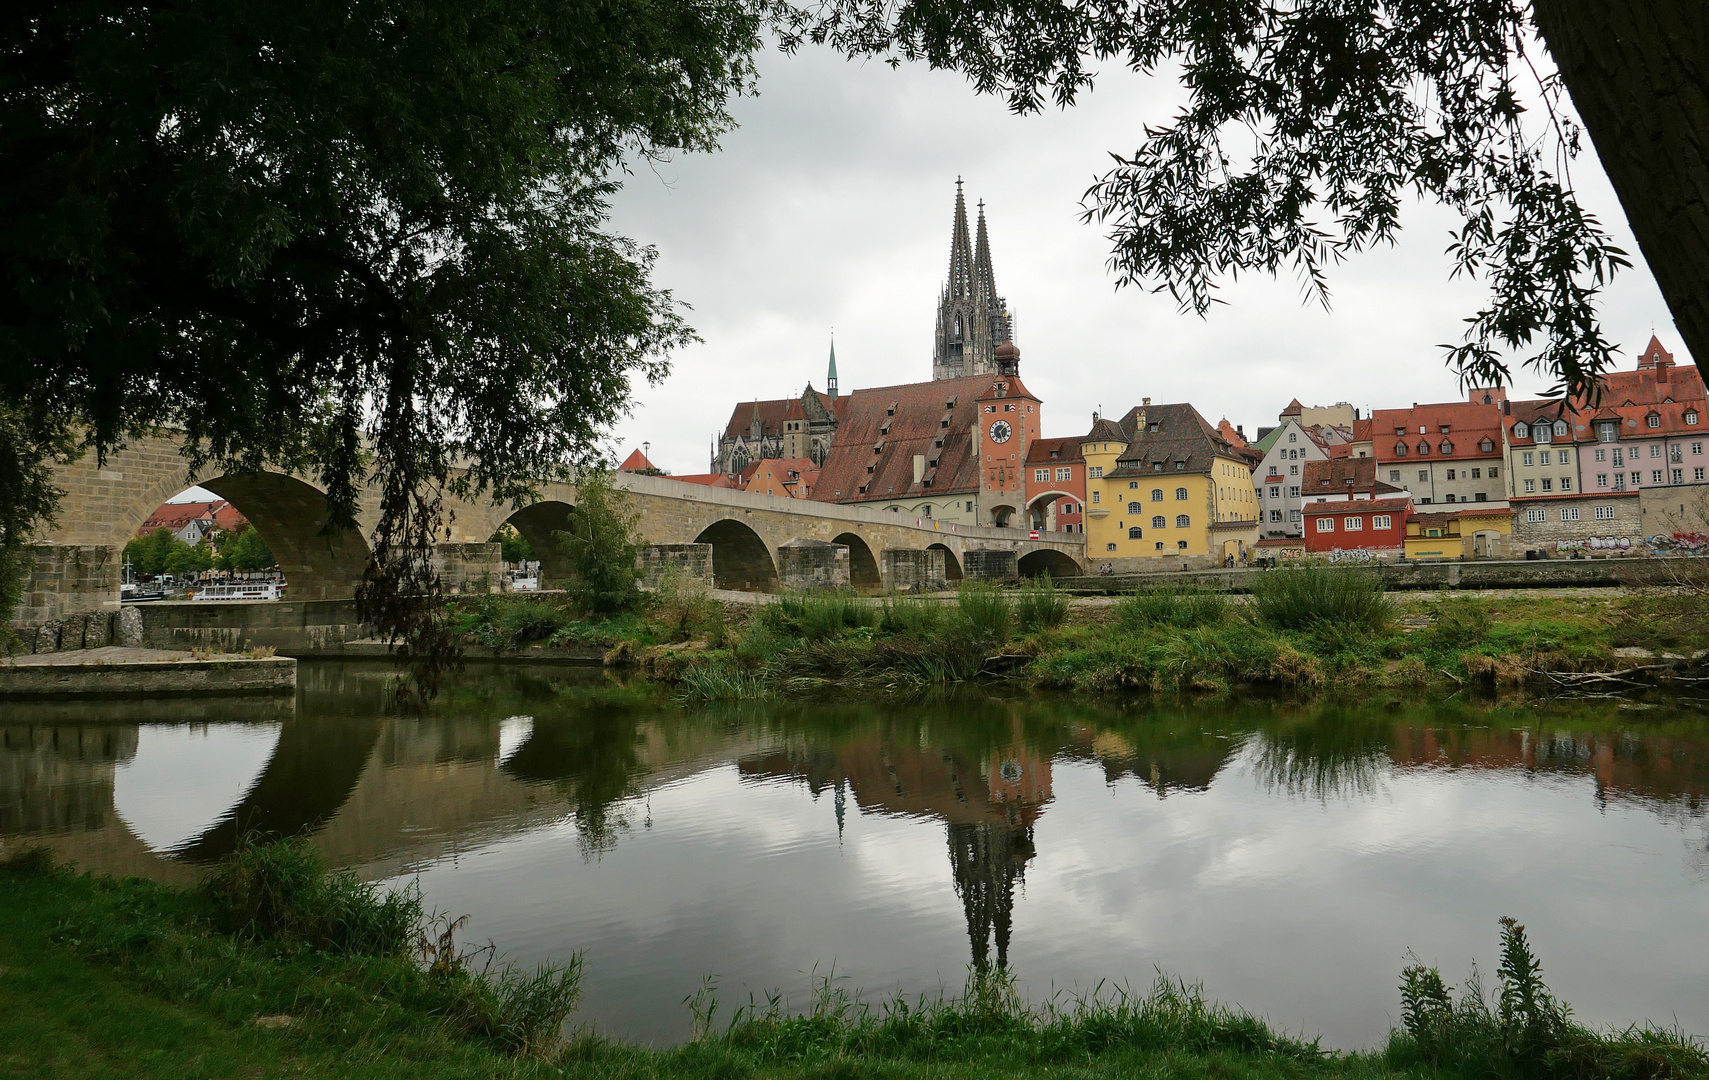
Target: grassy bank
276,968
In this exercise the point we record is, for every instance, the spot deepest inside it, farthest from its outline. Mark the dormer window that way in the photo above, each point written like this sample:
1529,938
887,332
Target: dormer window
1486,446
1691,417
1561,429
1522,430
1399,449
1152,428
1653,420
1446,447
1444,429
1423,449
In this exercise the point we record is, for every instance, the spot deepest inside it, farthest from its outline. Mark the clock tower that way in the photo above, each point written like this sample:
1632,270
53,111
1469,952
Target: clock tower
1008,423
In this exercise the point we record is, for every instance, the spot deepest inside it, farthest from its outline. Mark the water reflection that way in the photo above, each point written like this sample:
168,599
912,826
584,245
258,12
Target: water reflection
1067,840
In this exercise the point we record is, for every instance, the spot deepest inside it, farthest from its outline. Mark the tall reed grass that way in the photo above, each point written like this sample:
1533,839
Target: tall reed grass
987,612
1040,605
1182,607
1298,598
818,616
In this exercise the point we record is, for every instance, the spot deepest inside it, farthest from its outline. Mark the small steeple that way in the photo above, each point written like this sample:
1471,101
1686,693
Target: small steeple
831,376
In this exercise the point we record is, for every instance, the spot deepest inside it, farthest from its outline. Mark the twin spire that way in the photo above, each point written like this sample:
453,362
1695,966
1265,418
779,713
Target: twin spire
972,318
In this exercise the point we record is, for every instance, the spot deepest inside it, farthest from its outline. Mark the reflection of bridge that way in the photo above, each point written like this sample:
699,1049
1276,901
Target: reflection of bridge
77,567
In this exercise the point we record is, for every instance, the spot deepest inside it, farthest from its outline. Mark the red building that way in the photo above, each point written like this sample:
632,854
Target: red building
1056,485
1363,525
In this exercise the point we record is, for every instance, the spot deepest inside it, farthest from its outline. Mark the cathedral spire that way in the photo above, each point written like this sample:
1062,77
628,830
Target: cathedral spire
972,318
831,376
984,283
960,251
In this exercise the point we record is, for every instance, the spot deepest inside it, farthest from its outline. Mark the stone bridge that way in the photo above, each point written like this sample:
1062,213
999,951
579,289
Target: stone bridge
736,539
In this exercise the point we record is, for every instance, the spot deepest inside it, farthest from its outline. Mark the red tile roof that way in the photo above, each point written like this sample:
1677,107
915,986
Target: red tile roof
773,413
717,480
1361,506
1342,475
1065,449
779,469
635,462
175,516
883,428
1469,426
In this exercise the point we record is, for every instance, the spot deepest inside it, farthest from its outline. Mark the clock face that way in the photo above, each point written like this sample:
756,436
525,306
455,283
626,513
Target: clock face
1000,431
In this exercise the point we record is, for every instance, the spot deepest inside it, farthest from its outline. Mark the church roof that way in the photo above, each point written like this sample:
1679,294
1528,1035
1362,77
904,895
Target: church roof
773,413
884,427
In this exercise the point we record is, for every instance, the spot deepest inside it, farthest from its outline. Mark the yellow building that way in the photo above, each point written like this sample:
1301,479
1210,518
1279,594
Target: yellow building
1481,533
1161,483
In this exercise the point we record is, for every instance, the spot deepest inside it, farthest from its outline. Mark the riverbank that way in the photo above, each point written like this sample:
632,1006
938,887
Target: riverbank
1299,630
279,969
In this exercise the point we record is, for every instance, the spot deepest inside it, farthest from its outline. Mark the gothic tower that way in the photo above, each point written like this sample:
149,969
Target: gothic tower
972,319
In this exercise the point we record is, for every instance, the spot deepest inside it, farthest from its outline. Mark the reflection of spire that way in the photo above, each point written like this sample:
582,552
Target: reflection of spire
840,800
987,859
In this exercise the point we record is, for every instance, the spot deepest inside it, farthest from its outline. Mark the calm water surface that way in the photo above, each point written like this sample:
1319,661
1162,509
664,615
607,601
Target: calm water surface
1289,856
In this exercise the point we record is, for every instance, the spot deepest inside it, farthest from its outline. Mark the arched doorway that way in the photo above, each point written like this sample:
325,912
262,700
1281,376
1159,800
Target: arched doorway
1002,516
1047,561
540,525
740,559
1041,511
863,568
952,565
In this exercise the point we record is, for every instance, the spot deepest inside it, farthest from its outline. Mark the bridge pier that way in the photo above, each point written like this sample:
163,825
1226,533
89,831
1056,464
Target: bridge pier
691,562
914,569
813,564
67,578
469,568
990,564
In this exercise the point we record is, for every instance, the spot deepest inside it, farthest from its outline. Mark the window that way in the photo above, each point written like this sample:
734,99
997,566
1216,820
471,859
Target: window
1560,429
1450,474
1697,473
1494,472
1132,485
1653,420
1135,509
1607,430
1696,448
1601,454
1619,458
1096,472
1109,547
1293,470
1394,474
1543,458
1294,491
1423,449
1655,476
1477,474
1446,447
1522,430
1540,433
1548,484
1530,486
1399,449
1637,478
1691,417
1276,515
1097,497
1536,514
1424,474
1158,545
1293,437
1180,493
1068,474
1326,524
1353,524
1156,494
970,506
1275,492
1480,497
1382,521
1656,451
1569,513
1566,483
1180,466
1040,475
1678,476
1182,521
1451,496
1486,446
1159,522
1294,516
1527,458
1181,545
1133,532
1605,513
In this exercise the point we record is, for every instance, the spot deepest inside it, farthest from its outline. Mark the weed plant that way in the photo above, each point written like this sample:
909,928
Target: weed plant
281,891
1040,605
721,684
817,616
1297,598
1459,622
1526,1032
911,616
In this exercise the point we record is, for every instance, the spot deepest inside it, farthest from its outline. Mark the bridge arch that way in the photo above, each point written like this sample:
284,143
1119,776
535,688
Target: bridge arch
1038,507
740,559
863,566
952,563
1047,561
540,525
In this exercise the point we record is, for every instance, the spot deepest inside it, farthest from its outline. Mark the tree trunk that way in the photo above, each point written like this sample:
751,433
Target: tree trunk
1638,73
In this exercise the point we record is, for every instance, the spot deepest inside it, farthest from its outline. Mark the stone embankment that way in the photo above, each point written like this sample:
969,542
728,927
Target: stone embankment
1411,576
117,670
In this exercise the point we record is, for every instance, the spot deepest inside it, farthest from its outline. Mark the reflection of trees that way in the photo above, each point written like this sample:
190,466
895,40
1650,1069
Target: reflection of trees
591,757
1344,752
987,860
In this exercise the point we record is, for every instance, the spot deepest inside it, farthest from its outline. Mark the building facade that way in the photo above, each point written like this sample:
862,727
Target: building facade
1598,524
1377,526
1482,531
1279,478
1450,452
1647,431
1056,485
1162,484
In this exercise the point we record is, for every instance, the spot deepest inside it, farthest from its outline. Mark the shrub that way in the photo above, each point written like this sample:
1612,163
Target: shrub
684,609
1040,605
1294,599
817,616
280,891
910,616
1183,608
601,546
986,612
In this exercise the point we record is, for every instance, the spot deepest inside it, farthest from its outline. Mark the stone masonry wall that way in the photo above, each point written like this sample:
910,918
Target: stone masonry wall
813,564
911,569
1623,534
68,578
691,562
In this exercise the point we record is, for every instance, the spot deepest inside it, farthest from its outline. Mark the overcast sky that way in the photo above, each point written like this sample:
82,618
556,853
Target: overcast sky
831,206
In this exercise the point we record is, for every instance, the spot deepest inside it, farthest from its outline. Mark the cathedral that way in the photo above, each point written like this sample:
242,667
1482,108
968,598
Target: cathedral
972,319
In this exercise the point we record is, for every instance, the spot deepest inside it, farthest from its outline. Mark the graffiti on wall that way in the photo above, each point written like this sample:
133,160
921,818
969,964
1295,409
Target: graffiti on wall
1682,543
1599,543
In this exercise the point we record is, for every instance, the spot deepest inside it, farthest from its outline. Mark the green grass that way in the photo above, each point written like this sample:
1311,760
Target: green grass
124,978
1040,605
1299,597
1182,608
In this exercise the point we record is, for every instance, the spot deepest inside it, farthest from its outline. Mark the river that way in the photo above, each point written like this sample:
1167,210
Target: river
1288,855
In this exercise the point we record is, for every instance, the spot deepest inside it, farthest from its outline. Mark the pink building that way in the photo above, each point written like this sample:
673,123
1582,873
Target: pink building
1648,430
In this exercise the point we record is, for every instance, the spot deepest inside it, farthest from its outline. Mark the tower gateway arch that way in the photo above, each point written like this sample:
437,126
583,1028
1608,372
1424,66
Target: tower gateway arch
972,318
